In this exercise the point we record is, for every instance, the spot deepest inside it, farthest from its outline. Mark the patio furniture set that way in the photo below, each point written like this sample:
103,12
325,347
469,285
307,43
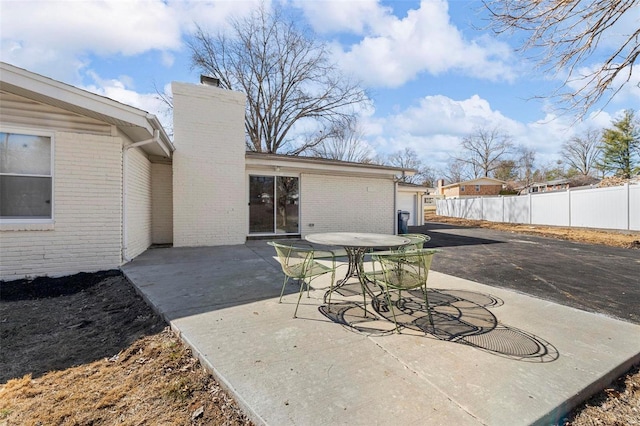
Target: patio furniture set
402,264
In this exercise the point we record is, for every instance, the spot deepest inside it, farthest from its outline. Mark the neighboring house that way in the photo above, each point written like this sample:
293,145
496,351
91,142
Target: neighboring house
411,199
561,184
88,183
552,185
471,188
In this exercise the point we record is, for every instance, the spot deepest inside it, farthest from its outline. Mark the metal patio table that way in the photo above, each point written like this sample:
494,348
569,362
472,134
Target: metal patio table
356,245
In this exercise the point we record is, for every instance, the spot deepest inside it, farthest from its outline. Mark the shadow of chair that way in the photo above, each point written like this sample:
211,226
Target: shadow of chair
403,271
299,263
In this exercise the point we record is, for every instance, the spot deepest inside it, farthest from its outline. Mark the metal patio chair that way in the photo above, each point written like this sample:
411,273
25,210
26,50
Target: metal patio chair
403,271
299,263
417,241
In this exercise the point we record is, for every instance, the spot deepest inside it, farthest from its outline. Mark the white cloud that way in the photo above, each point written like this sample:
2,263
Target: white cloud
435,126
355,16
120,90
58,38
125,27
396,50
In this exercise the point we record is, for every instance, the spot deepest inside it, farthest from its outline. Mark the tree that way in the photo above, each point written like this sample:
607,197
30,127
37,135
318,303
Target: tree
456,171
287,76
507,171
581,152
569,32
526,160
345,144
408,159
484,149
621,146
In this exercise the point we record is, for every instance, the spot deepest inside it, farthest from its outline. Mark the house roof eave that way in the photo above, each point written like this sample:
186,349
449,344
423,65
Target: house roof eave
321,165
133,122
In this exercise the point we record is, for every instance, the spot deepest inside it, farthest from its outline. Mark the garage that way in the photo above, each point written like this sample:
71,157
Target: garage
410,199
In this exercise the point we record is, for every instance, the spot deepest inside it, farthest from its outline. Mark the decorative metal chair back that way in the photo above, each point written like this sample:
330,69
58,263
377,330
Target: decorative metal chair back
417,241
298,263
404,271
293,260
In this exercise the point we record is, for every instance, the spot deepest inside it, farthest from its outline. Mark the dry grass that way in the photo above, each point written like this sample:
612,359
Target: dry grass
618,405
154,381
626,239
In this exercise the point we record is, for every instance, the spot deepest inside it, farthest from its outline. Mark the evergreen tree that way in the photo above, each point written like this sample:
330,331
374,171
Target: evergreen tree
621,146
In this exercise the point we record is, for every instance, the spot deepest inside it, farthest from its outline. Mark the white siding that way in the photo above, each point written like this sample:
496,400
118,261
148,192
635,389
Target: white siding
209,197
348,204
138,203
86,235
161,204
18,111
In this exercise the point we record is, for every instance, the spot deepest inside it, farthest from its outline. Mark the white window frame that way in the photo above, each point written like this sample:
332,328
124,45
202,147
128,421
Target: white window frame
51,136
477,188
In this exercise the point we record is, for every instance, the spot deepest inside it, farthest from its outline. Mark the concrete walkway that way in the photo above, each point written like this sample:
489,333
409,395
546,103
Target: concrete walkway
495,357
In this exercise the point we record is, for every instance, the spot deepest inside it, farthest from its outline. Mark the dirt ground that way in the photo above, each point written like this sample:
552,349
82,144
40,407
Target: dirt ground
86,349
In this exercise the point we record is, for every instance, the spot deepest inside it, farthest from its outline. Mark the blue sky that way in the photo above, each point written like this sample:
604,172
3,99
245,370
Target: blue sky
432,74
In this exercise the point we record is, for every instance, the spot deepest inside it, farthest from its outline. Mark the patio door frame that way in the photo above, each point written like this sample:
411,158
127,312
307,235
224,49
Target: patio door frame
275,177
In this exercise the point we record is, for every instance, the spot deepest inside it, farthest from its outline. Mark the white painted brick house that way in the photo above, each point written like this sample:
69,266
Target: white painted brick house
88,183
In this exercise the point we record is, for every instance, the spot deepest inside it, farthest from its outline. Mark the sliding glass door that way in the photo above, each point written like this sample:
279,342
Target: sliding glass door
274,203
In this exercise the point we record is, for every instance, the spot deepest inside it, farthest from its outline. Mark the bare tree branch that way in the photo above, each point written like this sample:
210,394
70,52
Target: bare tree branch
287,76
569,32
483,150
582,152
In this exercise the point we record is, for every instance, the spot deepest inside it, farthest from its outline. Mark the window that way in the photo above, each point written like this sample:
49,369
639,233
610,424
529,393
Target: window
25,177
477,188
461,188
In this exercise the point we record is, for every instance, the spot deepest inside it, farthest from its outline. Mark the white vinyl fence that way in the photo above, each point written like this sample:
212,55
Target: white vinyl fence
616,207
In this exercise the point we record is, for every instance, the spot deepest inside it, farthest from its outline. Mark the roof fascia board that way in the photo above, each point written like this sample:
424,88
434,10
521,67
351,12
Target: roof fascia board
472,181
319,165
66,94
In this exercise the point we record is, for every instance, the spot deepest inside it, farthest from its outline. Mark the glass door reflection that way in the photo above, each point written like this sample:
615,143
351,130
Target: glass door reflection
274,205
261,206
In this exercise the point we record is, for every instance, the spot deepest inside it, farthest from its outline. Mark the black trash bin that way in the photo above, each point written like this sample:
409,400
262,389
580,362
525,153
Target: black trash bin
403,222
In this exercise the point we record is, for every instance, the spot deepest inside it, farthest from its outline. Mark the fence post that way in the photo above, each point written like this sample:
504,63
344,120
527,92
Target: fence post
628,206
569,195
530,209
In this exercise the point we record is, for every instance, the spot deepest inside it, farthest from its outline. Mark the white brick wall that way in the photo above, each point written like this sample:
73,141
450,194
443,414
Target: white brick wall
86,235
138,202
346,204
209,197
161,204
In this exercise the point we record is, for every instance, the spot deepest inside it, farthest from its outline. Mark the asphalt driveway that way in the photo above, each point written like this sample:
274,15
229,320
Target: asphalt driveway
590,277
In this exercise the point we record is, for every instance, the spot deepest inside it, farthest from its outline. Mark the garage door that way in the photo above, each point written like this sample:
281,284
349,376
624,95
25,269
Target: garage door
408,202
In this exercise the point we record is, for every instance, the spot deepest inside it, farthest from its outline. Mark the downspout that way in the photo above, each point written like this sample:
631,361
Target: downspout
155,138
395,206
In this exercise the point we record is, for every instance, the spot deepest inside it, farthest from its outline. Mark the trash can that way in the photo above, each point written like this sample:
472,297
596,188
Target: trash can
403,222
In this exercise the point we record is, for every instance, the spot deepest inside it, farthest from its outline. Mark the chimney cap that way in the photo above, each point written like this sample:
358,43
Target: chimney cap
209,81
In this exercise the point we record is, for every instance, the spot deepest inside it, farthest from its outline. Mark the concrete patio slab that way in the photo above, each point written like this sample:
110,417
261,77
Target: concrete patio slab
495,357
